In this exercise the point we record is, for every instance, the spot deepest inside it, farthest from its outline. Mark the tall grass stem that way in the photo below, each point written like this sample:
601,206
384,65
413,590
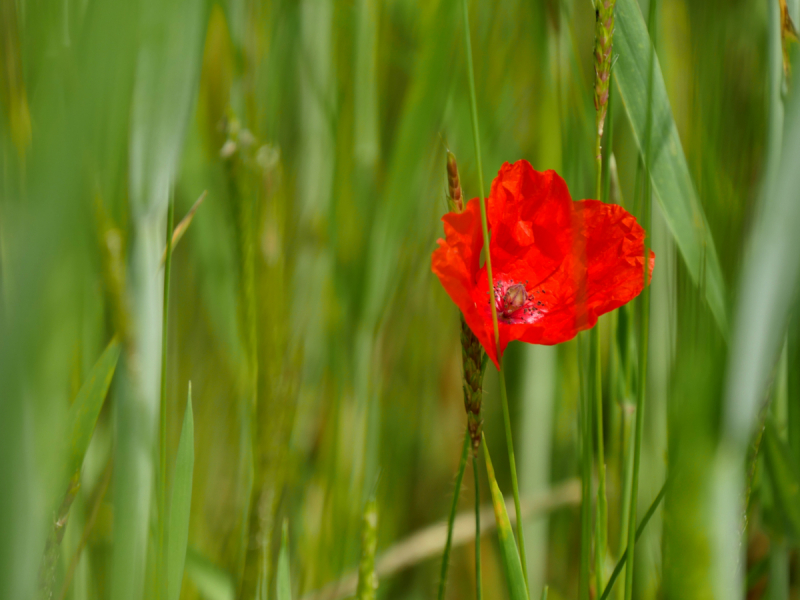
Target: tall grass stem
486,245
162,449
603,50
644,320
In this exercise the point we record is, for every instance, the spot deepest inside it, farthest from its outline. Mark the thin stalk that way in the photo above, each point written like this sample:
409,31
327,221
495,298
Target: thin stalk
486,245
640,397
622,559
514,483
601,521
477,138
601,193
644,307
478,578
451,519
584,413
162,450
544,593
627,457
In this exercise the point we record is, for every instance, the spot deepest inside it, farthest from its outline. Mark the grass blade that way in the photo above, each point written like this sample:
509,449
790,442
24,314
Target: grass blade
180,504
86,408
284,583
669,171
766,291
81,420
508,548
180,228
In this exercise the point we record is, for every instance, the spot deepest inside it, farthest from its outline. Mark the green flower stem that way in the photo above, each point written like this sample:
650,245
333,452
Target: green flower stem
162,450
451,519
485,227
477,138
478,578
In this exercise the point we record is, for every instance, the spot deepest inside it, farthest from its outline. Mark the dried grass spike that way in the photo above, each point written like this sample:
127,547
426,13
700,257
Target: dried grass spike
454,184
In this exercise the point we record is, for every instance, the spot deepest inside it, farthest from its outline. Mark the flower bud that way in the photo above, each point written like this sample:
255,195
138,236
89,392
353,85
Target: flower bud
514,299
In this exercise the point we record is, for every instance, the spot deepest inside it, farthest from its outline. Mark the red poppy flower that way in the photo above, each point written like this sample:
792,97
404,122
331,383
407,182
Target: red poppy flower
557,265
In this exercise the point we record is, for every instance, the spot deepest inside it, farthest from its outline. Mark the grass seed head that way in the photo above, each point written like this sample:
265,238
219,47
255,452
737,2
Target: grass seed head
604,33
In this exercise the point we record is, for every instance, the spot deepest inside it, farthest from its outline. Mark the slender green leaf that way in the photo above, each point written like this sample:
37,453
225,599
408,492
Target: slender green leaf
669,171
86,408
508,547
284,573
785,478
180,504
639,531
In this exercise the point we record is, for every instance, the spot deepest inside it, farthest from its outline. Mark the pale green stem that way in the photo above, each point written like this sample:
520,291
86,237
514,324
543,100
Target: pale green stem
451,519
485,228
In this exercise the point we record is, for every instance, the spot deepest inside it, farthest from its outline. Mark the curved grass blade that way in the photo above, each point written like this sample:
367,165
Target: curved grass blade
81,420
181,227
180,504
284,583
669,171
508,548
85,409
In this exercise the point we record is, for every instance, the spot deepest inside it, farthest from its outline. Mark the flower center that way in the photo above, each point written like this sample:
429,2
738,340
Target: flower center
514,299
515,305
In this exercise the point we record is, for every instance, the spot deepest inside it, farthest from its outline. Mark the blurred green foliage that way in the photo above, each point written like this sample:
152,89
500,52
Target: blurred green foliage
324,355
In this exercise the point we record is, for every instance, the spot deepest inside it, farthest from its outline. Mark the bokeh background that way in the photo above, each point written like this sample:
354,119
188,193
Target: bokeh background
323,354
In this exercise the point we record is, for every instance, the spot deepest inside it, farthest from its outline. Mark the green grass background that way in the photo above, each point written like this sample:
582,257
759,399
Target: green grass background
324,355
